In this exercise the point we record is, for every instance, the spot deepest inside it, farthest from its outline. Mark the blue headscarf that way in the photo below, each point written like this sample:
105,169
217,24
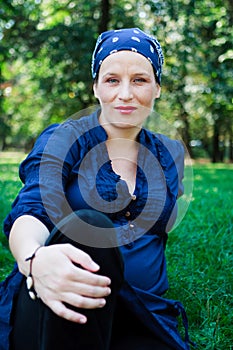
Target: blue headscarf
132,39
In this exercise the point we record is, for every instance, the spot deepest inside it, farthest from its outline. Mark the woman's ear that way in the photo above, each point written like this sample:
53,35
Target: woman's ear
158,91
95,90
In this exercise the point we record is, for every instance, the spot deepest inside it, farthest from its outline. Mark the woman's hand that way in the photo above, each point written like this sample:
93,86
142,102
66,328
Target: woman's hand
63,275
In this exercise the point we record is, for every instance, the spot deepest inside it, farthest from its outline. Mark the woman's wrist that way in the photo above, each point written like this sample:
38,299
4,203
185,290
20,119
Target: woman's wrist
30,281
23,261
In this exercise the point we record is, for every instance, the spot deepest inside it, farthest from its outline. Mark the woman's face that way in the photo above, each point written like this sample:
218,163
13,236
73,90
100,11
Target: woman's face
126,89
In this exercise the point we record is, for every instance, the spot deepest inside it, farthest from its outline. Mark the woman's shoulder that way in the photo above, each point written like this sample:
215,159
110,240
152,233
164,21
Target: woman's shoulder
174,146
64,133
75,122
81,123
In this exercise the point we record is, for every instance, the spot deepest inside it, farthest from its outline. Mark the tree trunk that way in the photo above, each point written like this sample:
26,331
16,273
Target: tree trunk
231,146
105,6
216,150
186,132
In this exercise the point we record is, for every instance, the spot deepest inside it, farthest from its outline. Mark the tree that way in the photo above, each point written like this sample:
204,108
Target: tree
52,42
46,54
197,41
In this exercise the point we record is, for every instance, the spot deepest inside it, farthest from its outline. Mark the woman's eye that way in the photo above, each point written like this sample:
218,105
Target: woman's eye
112,81
139,80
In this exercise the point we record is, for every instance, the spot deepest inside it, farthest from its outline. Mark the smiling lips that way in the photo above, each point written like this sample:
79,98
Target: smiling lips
126,109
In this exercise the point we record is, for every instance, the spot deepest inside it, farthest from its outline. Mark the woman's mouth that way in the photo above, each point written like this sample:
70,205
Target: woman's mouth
125,109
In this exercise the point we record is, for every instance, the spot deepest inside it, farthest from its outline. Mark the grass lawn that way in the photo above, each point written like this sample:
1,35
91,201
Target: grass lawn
10,184
199,250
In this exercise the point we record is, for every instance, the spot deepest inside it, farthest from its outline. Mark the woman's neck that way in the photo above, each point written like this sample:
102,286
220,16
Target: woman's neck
118,130
115,132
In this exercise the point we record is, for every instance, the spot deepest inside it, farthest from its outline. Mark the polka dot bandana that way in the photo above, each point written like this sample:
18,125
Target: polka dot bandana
132,39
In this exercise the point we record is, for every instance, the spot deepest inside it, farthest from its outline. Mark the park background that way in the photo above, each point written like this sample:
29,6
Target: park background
45,56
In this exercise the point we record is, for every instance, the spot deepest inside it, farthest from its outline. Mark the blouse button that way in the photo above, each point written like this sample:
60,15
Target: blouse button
131,225
133,197
127,214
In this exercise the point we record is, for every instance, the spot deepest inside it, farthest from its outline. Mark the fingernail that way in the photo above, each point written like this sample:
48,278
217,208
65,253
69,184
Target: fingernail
95,266
82,320
102,302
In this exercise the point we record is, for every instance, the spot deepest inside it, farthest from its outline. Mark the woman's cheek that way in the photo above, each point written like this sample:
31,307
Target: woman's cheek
148,98
105,95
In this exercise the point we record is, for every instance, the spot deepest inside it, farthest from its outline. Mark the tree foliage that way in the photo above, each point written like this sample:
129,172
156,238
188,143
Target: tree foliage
45,56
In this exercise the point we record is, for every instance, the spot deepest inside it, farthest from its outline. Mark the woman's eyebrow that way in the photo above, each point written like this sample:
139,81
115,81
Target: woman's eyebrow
134,74
109,74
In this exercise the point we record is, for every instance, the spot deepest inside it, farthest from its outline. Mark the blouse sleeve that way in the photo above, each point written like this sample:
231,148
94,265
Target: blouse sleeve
177,152
178,156
44,173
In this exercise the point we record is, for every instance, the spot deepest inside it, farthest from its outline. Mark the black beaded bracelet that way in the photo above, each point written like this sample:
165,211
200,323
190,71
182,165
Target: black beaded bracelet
29,279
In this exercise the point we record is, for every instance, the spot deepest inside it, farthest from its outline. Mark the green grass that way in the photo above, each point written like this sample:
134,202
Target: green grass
199,251
200,258
9,186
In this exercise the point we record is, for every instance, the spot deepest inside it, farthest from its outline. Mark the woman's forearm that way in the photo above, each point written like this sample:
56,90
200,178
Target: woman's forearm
26,235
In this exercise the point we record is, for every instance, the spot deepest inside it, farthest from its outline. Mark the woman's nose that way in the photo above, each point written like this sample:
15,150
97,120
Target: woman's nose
125,92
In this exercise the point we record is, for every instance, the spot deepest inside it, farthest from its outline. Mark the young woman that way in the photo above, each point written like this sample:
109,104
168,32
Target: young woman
107,189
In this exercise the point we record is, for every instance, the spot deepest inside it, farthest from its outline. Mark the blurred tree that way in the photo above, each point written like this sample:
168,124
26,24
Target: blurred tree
217,55
51,44
46,51
197,95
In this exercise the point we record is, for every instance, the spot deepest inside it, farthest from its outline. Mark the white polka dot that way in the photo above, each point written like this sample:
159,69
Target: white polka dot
149,59
136,39
152,49
136,31
113,51
115,39
133,49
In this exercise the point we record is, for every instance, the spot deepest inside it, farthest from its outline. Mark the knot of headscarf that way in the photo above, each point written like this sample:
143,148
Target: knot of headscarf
132,39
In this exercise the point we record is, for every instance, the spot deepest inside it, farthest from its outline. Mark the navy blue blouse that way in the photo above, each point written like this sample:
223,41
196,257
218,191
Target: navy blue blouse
69,169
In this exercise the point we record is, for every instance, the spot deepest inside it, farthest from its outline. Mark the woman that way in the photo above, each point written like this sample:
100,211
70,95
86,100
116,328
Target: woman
107,189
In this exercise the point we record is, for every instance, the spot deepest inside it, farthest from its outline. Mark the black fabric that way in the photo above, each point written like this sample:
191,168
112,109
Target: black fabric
113,327
36,327
129,333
